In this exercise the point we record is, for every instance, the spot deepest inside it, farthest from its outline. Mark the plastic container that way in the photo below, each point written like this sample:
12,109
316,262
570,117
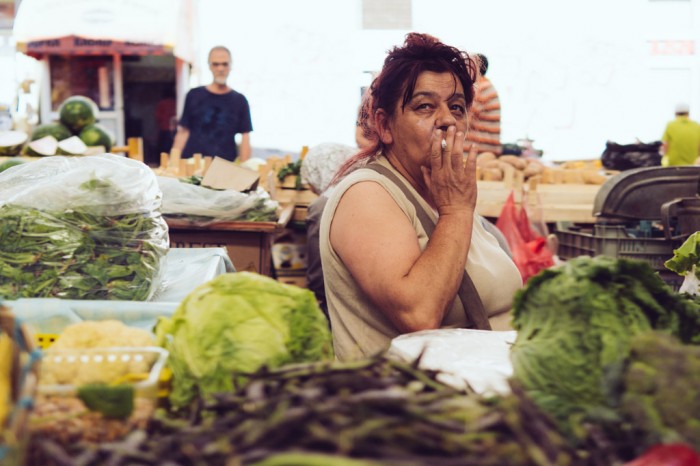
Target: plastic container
61,417
614,241
140,367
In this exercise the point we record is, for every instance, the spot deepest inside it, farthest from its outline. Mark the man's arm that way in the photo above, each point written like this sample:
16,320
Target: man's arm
244,149
180,138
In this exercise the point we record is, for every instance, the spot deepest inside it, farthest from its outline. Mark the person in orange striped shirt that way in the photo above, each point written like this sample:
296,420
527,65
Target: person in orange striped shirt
485,114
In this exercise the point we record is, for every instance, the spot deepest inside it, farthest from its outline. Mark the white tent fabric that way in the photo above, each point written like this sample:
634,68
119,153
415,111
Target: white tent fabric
95,24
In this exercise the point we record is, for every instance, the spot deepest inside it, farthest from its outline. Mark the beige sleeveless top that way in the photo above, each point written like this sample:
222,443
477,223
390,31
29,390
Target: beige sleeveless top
359,328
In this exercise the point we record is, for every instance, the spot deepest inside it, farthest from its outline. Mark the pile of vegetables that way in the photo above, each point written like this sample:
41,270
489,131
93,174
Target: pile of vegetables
370,412
235,324
80,228
577,326
76,130
656,394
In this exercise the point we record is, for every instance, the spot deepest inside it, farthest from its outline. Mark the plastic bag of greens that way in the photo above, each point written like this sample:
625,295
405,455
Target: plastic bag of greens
205,205
81,228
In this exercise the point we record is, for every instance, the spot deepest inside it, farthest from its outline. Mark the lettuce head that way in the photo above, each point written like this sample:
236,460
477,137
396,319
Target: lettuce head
235,324
575,324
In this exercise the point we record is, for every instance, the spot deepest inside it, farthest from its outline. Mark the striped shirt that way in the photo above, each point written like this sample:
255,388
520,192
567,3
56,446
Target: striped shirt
485,118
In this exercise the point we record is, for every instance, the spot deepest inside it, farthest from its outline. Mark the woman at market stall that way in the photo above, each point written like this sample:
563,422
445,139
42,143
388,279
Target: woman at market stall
402,247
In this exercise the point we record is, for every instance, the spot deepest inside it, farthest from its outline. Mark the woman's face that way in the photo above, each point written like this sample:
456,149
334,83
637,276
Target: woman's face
438,102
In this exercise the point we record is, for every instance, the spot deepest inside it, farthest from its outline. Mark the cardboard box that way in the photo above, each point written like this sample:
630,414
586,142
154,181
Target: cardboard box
223,174
248,250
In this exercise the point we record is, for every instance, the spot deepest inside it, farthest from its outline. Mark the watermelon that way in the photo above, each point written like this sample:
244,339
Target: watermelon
97,135
77,112
71,146
57,130
48,145
9,164
11,142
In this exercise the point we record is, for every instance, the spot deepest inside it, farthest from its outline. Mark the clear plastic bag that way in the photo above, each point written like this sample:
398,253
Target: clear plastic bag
205,205
81,228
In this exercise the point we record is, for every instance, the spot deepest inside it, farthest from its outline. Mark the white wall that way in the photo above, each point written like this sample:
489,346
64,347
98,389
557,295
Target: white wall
571,74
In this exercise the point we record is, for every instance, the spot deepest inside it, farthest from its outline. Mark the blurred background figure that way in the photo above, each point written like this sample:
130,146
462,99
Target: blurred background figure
681,139
485,114
166,118
318,170
214,115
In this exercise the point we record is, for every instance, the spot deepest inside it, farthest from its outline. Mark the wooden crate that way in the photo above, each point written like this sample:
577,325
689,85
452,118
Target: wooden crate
559,202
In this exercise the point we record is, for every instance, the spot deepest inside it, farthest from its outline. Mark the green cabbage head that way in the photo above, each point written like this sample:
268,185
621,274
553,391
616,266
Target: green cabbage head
576,322
235,324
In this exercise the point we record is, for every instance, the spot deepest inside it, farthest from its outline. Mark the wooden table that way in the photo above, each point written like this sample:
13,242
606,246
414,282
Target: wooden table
248,244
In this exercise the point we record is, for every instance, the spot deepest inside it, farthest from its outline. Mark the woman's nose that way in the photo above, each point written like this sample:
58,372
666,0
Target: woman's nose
445,118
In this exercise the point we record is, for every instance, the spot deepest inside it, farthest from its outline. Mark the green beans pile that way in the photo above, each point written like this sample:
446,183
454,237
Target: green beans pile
78,255
371,412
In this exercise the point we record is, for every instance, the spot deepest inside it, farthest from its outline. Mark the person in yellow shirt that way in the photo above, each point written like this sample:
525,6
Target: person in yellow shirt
681,139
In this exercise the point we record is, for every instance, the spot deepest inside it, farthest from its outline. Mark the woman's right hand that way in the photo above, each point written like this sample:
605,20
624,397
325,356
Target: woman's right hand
451,180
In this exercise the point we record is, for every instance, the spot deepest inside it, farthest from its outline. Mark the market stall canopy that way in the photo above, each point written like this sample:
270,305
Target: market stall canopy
104,27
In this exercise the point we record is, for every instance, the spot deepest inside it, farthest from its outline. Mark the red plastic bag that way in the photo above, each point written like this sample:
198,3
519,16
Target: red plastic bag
529,247
676,454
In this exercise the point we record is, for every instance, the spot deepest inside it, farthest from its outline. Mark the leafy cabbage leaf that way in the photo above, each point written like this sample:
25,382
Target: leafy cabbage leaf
235,324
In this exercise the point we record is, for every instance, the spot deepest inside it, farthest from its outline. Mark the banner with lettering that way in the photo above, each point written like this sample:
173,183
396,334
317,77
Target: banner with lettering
98,27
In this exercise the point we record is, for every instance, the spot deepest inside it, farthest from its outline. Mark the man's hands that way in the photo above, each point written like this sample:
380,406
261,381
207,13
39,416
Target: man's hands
451,180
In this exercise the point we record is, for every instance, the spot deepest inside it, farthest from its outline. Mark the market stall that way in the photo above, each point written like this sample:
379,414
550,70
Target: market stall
126,56
249,244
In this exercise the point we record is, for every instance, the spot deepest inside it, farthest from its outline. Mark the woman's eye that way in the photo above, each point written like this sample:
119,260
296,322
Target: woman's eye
460,109
423,107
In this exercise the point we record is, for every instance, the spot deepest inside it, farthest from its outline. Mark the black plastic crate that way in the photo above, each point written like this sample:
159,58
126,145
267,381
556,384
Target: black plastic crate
615,241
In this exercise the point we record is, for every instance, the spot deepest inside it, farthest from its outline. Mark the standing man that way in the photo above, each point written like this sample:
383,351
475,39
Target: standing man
485,114
681,140
214,115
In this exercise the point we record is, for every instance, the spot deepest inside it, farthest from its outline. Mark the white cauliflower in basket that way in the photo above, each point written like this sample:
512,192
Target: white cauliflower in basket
65,363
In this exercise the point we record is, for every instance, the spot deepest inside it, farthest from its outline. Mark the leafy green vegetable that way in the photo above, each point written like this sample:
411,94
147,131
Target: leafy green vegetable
659,397
80,253
292,168
233,325
113,401
687,257
194,179
577,320
9,164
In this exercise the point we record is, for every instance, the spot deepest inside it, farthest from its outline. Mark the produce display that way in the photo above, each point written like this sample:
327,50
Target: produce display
491,167
96,135
9,164
577,325
71,146
56,369
654,408
97,383
11,143
77,112
80,228
234,324
58,130
186,198
371,412
75,131
606,365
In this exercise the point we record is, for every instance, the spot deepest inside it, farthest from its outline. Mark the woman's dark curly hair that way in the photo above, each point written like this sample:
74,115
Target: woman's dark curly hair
397,81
